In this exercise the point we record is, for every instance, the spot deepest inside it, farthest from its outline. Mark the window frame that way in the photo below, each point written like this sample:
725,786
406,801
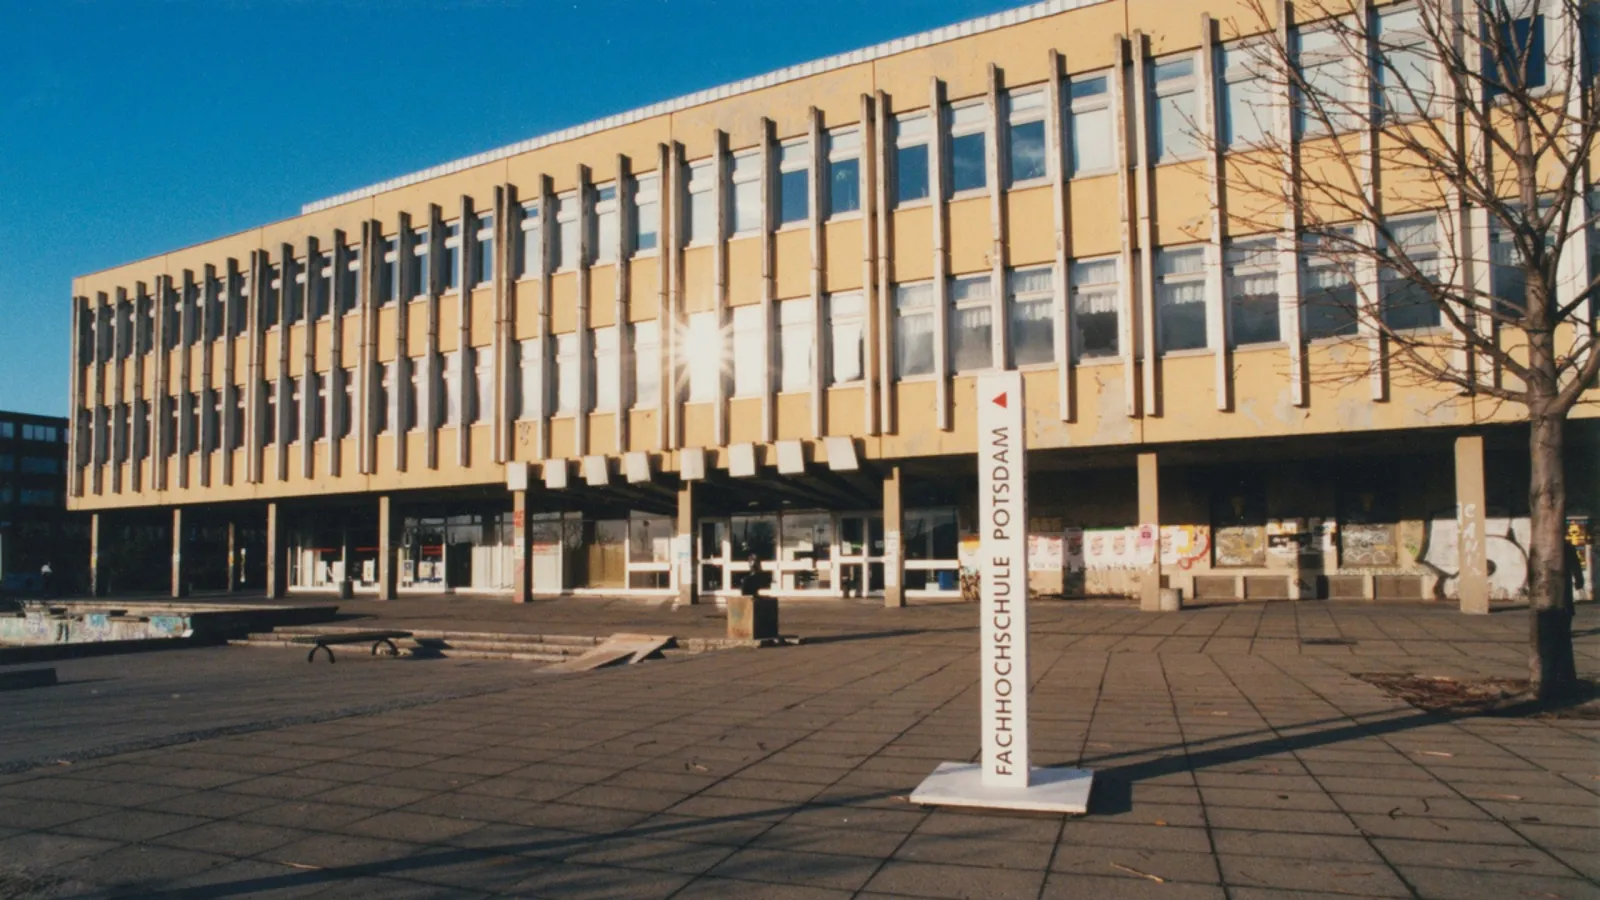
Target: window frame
923,302
604,349
1166,283
1161,88
959,304
483,251
530,247
844,145
604,224
836,321
793,157
645,195
964,119
1036,100
700,180
748,325
646,391
910,131
744,169
796,324
1080,290
1036,297
568,219
1242,259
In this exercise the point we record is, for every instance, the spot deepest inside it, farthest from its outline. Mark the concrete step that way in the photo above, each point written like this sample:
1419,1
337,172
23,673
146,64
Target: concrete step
582,642
456,644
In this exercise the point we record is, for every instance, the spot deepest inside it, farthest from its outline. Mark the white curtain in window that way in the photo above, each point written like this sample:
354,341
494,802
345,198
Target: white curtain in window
796,345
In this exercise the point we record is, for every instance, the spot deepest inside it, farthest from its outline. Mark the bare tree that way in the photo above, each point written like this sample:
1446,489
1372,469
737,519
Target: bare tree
1428,164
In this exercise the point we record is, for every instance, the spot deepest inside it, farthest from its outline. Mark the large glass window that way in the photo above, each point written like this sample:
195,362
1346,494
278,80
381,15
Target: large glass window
1407,300
417,264
1245,90
603,371
796,341
447,402
293,285
450,258
1327,68
700,214
350,279
1096,303
754,536
1175,130
749,360
603,224
748,210
415,394
483,250
1252,285
1519,46
911,134
794,182
705,352
846,330
972,323
529,380
645,217
1091,124
567,374
1405,70
1025,144
913,333
844,171
480,405
1032,315
646,364
530,247
969,139
1181,299
1328,296
389,272
564,247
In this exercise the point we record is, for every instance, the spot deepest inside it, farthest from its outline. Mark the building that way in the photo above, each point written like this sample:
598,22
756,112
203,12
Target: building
628,356
35,527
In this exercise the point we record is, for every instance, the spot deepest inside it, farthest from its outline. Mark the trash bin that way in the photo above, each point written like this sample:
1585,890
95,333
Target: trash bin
1171,599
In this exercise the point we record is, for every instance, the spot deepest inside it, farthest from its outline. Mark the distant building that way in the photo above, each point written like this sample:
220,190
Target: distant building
35,526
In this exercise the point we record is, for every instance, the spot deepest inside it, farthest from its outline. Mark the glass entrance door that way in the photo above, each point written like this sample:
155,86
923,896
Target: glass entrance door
860,555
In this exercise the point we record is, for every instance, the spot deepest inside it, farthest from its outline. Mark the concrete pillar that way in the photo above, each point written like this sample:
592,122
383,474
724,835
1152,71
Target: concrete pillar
233,556
894,593
388,564
683,547
521,572
1472,586
1150,517
180,585
97,582
277,550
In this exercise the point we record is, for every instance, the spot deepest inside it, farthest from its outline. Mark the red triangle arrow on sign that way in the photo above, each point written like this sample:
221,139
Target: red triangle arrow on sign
1000,401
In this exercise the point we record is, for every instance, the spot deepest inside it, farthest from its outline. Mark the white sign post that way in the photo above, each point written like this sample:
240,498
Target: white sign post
1003,779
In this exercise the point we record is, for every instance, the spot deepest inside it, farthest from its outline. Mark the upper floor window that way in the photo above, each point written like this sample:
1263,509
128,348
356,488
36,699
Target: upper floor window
1181,299
1096,299
796,345
911,135
389,272
745,176
530,243
969,146
564,243
646,364
1175,131
450,257
794,182
319,286
645,217
1405,70
1091,124
1328,294
1245,95
269,300
566,372
749,356
350,278
699,213
971,323
295,289
603,368
529,360
1406,298
605,231
913,331
1252,285
483,250
844,171
418,264
1332,96
706,352
1515,55
1031,298
846,337
1025,144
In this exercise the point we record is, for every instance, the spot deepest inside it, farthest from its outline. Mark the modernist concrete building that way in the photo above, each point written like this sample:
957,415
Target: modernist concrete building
628,356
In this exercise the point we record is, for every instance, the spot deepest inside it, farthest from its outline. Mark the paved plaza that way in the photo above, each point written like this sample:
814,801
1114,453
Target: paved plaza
1235,756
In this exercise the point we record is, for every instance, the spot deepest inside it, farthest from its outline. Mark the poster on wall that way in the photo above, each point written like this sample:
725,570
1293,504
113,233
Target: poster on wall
1045,552
369,570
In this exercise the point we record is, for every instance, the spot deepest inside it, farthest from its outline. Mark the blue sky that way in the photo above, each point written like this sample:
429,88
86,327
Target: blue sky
133,127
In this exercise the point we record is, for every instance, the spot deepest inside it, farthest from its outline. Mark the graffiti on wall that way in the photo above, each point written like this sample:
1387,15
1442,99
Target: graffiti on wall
1185,546
1242,545
1505,549
1368,544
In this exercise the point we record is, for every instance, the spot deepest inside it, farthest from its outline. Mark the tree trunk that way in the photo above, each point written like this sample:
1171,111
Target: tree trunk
1551,668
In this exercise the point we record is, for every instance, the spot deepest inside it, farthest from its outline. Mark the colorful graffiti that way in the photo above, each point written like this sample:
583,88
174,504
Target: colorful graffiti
1505,541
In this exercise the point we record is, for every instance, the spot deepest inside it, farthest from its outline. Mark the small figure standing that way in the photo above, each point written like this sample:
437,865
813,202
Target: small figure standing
753,580
46,579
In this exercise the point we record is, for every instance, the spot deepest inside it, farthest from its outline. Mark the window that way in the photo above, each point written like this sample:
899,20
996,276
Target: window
1025,144
33,432
321,288
749,360
345,414
383,399
796,341
604,233
1405,70
8,463
530,247
210,436
1091,124
746,194
1407,303
36,497
449,384
529,359
646,364
564,243
969,167
1252,286
269,305
480,391
846,337
794,182
603,370
1175,129
911,173
700,215
450,257
416,368
1508,281
269,421
316,416
971,323
1520,45
146,312
235,436
1181,299
418,264
566,374
844,171
1032,315
483,250
295,290
40,465
913,333
1096,307
645,218
1327,73
291,414
704,351
1245,95
350,278
216,290
1328,297
389,272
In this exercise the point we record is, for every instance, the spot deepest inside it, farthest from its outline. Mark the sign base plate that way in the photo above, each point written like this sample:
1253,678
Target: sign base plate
961,784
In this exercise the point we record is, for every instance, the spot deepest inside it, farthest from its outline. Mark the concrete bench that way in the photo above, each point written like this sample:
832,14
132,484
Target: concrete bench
326,642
